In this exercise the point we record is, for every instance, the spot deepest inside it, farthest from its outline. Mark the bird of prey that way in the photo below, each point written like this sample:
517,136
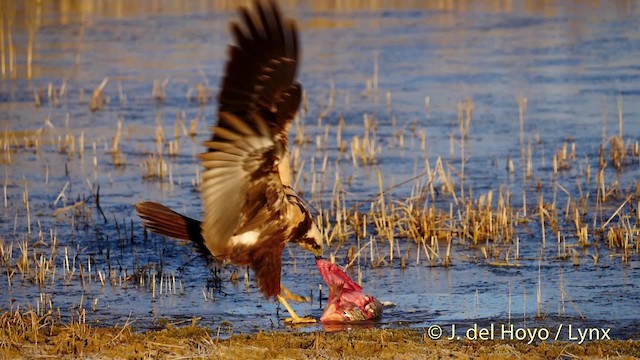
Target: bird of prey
250,209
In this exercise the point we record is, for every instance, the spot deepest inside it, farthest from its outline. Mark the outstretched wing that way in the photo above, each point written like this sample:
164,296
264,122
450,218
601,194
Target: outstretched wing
241,185
260,75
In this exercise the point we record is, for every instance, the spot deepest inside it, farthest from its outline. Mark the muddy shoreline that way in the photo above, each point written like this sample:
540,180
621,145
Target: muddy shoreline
25,335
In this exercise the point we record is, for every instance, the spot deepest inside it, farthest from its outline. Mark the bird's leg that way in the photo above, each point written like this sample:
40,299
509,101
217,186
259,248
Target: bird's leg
293,296
294,319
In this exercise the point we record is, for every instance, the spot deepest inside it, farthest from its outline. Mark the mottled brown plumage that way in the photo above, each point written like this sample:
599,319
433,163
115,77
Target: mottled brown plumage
250,210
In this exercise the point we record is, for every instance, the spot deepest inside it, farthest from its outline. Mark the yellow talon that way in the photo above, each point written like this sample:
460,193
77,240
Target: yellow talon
307,320
294,319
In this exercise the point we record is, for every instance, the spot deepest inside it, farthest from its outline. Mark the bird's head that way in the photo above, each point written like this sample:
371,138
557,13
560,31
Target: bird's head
312,241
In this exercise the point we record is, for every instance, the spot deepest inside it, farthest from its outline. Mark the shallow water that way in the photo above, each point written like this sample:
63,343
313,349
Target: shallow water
572,62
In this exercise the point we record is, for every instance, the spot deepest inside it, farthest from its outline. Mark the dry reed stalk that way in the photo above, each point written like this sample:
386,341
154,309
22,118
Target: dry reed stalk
3,60
158,91
203,94
522,109
98,99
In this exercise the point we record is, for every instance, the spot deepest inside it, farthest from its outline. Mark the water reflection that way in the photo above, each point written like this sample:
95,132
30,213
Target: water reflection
33,31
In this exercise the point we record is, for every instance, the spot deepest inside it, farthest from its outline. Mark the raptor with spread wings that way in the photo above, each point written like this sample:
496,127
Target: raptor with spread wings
250,209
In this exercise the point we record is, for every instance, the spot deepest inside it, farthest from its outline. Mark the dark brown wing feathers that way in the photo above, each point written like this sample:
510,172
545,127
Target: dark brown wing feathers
260,75
248,153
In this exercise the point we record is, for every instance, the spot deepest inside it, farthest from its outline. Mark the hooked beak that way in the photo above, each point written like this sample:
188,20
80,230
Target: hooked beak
313,249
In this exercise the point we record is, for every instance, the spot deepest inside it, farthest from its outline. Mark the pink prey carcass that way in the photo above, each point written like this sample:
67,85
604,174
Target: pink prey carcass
346,301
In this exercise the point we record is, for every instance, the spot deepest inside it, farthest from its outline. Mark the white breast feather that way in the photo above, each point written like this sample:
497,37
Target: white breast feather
247,239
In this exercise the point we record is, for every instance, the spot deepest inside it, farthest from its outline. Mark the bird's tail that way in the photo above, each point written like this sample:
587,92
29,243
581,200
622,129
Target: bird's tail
159,219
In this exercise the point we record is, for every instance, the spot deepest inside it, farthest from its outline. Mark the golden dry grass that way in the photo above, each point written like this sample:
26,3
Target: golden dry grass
27,335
